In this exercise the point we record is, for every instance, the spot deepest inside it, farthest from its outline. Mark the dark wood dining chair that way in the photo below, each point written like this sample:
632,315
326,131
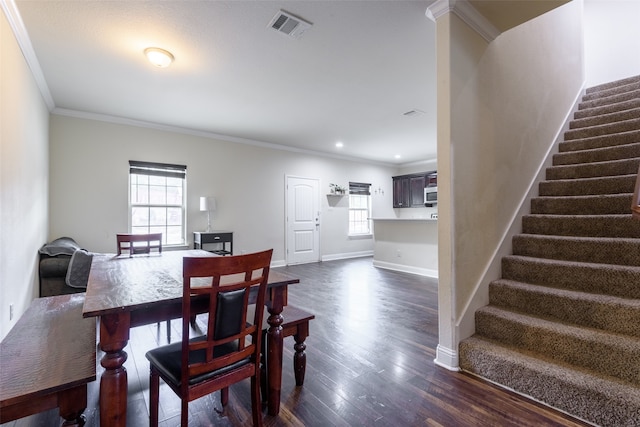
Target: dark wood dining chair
138,243
229,351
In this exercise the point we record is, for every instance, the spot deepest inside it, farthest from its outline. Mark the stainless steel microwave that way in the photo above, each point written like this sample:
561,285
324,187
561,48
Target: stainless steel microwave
430,196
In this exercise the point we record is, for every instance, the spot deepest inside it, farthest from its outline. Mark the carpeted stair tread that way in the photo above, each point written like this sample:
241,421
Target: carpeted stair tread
620,83
613,99
604,279
599,250
629,137
611,91
617,152
598,204
604,312
592,170
621,225
607,109
586,395
619,184
563,342
603,119
605,129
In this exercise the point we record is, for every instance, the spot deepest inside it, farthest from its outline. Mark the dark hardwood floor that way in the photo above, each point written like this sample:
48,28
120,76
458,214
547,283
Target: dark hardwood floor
369,363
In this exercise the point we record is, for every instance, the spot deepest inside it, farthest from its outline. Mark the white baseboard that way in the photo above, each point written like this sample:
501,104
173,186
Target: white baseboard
347,255
447,358
406,269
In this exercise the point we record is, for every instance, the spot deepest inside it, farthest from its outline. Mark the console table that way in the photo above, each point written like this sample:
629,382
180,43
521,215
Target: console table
201,238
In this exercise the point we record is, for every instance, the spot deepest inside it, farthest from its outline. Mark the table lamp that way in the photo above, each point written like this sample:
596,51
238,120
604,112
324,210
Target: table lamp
208,204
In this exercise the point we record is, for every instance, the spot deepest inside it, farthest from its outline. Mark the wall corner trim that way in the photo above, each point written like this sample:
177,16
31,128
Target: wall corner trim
465,11
447,358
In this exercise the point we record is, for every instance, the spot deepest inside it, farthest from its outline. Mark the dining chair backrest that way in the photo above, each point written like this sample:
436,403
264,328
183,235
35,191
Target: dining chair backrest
231,338
138,243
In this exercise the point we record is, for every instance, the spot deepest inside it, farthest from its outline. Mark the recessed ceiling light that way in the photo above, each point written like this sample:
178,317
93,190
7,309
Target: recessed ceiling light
397,156
339,144
159,57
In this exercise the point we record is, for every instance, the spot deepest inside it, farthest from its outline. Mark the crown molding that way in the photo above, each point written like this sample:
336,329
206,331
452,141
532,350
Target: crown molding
20,32
465,11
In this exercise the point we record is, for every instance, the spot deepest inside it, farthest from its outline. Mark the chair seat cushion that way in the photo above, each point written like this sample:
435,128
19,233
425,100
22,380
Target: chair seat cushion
168,361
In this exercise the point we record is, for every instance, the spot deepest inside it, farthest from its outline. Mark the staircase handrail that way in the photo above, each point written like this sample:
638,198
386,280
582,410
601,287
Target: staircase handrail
635,202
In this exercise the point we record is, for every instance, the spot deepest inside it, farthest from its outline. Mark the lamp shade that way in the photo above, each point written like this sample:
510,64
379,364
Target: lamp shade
207,204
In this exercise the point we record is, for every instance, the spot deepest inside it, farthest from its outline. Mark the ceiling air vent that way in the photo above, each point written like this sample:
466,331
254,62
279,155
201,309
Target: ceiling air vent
288,24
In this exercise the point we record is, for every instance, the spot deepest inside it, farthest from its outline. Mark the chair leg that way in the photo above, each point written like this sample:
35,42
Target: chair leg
154,397
224,396
184,413
256,403
263,379
169,330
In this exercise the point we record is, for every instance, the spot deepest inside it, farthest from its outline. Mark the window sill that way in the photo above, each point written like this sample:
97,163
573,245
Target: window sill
360,236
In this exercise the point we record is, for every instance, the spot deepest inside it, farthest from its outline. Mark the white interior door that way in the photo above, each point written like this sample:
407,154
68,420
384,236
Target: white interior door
303,220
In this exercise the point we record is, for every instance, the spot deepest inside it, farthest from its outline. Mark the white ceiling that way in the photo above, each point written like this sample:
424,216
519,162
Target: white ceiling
349,78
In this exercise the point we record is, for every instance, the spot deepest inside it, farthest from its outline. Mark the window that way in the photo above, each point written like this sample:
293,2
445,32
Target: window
157,200
359,208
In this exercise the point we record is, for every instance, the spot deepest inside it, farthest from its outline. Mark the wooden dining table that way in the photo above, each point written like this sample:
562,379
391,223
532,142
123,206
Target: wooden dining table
125,292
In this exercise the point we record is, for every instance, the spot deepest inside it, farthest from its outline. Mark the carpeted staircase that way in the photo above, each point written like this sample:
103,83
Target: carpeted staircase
563,322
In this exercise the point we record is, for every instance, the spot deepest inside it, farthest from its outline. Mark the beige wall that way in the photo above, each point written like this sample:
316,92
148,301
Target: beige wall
89,185
500,108
23,179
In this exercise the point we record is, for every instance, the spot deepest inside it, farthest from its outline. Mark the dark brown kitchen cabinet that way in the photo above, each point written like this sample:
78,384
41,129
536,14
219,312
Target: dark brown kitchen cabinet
408,190
401,192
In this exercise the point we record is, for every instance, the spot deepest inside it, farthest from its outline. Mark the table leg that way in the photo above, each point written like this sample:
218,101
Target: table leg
114,335
274,355
72,404
300,357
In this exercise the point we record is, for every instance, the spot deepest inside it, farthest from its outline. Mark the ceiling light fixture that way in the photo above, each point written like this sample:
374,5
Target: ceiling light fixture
339,144
397,156
159,57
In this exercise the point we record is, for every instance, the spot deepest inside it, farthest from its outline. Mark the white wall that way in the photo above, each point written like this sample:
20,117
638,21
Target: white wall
612,40
89,179
23,179
407,245
500,107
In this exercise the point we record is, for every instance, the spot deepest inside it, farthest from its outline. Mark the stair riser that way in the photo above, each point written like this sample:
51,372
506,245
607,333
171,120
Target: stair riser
578,349
590,186
581,205
600,141
607,109
589,226
608,129
612,280
619,152
581,399
568,307
612,91
621,83
605,119
617,252
625,96
594,170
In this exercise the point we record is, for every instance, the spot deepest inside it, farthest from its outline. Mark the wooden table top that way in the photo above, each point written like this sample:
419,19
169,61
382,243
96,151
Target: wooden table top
124,283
